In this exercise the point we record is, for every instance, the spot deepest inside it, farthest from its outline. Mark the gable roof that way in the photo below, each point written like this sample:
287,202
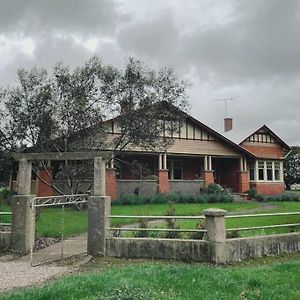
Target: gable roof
220,136
271,132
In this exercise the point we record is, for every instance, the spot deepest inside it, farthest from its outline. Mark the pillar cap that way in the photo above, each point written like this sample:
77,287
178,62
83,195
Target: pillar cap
214,212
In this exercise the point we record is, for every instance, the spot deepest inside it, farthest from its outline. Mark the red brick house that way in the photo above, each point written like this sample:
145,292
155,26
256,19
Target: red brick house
202,156
198,156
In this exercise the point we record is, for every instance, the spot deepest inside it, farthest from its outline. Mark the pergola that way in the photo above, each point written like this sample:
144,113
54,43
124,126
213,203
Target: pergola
25,167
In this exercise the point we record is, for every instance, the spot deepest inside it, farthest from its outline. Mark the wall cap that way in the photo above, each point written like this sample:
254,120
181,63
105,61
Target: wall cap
214,212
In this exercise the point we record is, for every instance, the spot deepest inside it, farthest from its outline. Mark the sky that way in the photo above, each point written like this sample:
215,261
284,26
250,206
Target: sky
246,50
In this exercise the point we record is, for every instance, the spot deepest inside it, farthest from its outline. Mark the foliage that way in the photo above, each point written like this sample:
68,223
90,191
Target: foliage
198,235
6,195
252,193
176,197
215,188
292,167
142,223
283,197
171,223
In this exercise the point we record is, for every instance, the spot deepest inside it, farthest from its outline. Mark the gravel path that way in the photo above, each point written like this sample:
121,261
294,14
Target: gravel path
19,274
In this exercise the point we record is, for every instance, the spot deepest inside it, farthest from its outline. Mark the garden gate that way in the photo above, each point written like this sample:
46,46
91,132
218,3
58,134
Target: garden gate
53,217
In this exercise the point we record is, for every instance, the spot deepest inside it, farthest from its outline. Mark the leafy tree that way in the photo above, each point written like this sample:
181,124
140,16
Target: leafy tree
292,167
64,110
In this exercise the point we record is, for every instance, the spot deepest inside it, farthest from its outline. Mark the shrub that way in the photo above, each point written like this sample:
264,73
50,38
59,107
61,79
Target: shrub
283,197
252,193
215,189
198,235
176,198
143,223
171,223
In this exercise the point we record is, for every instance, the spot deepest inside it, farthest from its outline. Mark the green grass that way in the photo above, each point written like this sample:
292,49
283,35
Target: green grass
156,280
75,222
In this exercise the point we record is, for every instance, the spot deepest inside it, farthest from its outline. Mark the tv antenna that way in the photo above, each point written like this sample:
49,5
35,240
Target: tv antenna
227,120
225,100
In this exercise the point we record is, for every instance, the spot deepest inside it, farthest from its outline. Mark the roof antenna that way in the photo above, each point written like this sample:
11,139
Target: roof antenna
227,120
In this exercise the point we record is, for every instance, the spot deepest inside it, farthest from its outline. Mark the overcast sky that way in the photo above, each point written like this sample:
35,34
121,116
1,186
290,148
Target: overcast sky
247,50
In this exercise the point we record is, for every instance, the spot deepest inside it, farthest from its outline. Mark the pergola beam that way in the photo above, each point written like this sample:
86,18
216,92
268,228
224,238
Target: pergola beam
106,155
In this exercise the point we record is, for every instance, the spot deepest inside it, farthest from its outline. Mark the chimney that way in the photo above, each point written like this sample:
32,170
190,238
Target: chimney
227,124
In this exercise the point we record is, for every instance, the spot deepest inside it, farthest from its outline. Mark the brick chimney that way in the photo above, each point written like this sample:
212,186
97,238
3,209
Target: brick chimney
227,124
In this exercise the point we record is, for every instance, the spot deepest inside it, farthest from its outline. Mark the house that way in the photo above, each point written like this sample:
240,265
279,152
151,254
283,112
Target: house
199,156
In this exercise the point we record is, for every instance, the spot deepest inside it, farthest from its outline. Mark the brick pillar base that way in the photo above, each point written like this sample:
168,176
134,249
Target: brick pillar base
208,177
243,179
111,184
42,189
163,181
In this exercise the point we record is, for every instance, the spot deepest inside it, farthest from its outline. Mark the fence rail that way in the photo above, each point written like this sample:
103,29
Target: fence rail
201,217
156,217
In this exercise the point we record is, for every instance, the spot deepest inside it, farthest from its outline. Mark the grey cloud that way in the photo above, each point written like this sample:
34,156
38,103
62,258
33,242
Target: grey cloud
35,16
157,39
263,40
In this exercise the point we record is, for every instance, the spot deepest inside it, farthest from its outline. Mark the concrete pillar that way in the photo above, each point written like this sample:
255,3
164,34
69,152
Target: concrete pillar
99,177
216,233
24,177
98,210
205,164
209,163
241,164
23,223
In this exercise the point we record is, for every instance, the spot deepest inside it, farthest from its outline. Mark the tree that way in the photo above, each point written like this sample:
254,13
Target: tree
292,167
64,111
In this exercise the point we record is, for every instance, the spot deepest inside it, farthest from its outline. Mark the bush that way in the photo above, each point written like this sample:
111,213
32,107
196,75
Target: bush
215,189
6,195
252,193
171,223
176,198
283,197
198,235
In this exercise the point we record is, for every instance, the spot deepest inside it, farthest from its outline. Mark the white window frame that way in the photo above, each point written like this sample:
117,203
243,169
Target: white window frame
265,164
171,168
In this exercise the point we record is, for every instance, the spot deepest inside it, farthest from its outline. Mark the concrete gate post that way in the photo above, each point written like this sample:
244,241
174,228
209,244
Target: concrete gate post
99,207
216,232
23,213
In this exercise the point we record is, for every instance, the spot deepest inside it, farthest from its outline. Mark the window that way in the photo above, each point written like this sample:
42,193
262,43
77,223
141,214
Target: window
251,172
261,170
175,169
267,171
276,171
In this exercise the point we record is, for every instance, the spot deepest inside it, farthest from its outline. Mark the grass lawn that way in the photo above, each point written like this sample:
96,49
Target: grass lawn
75,222
135,280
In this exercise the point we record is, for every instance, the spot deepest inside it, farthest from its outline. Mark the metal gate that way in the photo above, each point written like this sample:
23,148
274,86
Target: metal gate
62,246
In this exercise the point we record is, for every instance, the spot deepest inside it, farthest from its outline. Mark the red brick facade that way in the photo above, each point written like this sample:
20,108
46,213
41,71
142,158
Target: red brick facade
243,180
111,184
267,188
163,181
43,189
273,151
208,177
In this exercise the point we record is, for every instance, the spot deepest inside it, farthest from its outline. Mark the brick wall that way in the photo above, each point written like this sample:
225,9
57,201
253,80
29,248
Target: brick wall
43,189
267,188
243,184
111,185
270,151
208,177
163,181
